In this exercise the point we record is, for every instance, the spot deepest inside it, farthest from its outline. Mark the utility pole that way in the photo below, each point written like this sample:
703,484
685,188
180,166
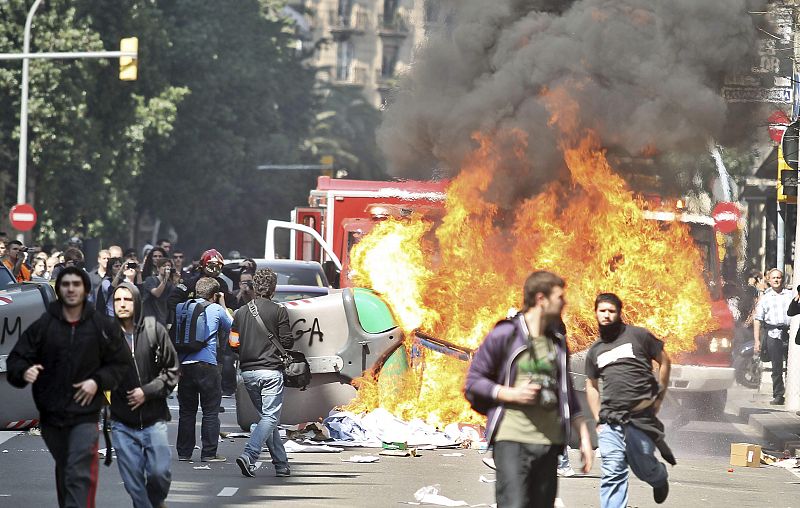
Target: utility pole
23,114
128,50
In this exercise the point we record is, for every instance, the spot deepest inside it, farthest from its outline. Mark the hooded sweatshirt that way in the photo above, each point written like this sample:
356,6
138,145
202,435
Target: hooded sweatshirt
91,348
155,369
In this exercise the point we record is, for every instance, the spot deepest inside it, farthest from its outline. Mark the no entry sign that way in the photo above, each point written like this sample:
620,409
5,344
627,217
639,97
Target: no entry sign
726,216
23,217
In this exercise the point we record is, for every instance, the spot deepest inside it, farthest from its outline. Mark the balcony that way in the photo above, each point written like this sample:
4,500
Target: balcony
346,24
385,81
393,26
356,76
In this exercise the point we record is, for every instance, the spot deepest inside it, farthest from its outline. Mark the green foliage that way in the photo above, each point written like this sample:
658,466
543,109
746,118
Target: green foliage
221,90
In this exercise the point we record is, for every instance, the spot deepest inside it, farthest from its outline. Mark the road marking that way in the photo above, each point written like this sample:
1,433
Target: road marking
228,491
5,436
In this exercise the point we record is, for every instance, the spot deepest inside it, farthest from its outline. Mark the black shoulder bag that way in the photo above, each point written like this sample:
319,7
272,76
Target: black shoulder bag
296,370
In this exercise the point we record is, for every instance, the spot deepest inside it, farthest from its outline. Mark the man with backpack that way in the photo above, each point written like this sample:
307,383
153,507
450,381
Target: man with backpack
139,404
255,326
519,378
198,323
70,355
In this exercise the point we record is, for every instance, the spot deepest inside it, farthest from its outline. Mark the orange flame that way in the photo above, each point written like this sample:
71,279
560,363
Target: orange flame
457,280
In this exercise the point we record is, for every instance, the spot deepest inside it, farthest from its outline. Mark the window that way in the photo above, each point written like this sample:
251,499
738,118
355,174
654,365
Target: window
389,60
345,54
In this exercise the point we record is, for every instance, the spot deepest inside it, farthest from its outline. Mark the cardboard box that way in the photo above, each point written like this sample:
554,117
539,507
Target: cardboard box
745,455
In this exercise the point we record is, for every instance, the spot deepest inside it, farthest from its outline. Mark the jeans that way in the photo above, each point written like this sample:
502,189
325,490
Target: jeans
198,380
526,474
620,446
143,457
777,354
265,388
563,459
74,450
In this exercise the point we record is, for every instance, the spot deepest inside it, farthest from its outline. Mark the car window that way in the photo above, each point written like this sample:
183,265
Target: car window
6,278
288,296
299,276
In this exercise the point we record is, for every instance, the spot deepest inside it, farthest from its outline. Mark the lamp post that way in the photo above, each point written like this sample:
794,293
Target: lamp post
22,174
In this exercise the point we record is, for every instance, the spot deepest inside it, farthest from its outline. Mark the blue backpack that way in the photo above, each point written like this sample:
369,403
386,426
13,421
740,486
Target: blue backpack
188,313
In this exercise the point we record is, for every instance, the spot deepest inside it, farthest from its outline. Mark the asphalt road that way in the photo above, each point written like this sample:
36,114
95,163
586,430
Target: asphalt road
323,479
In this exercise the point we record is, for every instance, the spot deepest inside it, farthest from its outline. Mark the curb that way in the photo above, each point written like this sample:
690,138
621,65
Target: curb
778,428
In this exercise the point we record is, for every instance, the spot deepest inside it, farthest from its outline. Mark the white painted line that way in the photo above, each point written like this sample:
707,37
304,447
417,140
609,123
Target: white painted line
228,491
5,436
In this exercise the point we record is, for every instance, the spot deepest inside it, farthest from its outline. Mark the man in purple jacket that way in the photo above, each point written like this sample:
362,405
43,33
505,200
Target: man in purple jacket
519,378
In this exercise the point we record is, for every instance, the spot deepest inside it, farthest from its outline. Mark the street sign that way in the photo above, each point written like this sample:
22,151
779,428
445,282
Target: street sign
790,144
777,123
23,217
726,216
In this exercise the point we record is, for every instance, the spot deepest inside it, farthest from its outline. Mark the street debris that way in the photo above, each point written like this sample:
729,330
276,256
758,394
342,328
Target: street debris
295,447
456,454
486,479
362,459
202,467
430,495
380,426
410,452
229,435
791,463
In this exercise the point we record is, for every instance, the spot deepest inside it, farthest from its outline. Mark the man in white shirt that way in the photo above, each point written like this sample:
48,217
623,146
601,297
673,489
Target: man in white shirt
771,314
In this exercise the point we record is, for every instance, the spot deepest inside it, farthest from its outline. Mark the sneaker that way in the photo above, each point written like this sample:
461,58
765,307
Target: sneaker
185,459
283,472
215,458
660,493
777,401
565,472
489,461
247,468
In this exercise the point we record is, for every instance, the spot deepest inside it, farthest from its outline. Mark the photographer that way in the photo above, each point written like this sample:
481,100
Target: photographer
520,378
15,260
200,377
156,290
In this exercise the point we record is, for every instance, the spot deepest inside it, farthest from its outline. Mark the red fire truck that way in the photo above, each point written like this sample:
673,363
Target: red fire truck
342,211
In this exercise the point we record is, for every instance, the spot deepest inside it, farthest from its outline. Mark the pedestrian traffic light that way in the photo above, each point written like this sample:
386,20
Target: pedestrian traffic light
129,65
787,179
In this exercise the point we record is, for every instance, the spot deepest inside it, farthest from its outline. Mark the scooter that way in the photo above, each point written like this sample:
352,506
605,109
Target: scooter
747,365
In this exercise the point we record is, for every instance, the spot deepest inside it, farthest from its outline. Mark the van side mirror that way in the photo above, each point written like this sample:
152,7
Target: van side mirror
332,273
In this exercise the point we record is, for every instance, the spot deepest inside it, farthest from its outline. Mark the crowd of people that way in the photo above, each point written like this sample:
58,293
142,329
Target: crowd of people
134,330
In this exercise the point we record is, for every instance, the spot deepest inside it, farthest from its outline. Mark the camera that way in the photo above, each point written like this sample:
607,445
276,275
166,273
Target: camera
247,284
131,265
548,399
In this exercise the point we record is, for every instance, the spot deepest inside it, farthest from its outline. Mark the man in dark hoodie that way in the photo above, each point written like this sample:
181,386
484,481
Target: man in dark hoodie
139,404
70,355
628,430
519,378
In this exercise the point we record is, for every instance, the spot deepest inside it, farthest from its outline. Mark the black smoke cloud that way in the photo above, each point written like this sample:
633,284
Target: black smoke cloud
646,74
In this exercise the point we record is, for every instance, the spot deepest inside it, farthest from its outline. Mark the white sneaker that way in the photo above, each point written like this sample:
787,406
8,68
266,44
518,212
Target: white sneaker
565,472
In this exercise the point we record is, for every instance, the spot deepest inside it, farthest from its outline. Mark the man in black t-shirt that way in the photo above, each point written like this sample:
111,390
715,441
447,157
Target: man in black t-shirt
628,430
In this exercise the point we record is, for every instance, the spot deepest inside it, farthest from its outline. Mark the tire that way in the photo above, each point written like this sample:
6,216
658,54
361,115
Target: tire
747,372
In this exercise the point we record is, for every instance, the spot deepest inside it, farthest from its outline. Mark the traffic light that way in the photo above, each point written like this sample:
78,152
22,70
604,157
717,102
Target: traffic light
787,179
129,65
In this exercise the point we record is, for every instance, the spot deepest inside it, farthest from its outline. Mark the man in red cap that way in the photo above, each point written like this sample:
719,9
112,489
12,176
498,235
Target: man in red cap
210,266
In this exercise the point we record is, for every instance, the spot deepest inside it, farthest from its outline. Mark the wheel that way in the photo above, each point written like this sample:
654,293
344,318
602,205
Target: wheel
747,372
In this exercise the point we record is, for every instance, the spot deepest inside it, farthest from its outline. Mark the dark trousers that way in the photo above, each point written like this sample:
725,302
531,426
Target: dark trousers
198,380
228,371
526,474
74,450
777,355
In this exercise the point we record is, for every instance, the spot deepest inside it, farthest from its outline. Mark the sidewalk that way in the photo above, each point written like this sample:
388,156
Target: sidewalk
777,426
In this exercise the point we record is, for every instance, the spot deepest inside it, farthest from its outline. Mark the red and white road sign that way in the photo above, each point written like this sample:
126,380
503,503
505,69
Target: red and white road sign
23,217
726,216
777,123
